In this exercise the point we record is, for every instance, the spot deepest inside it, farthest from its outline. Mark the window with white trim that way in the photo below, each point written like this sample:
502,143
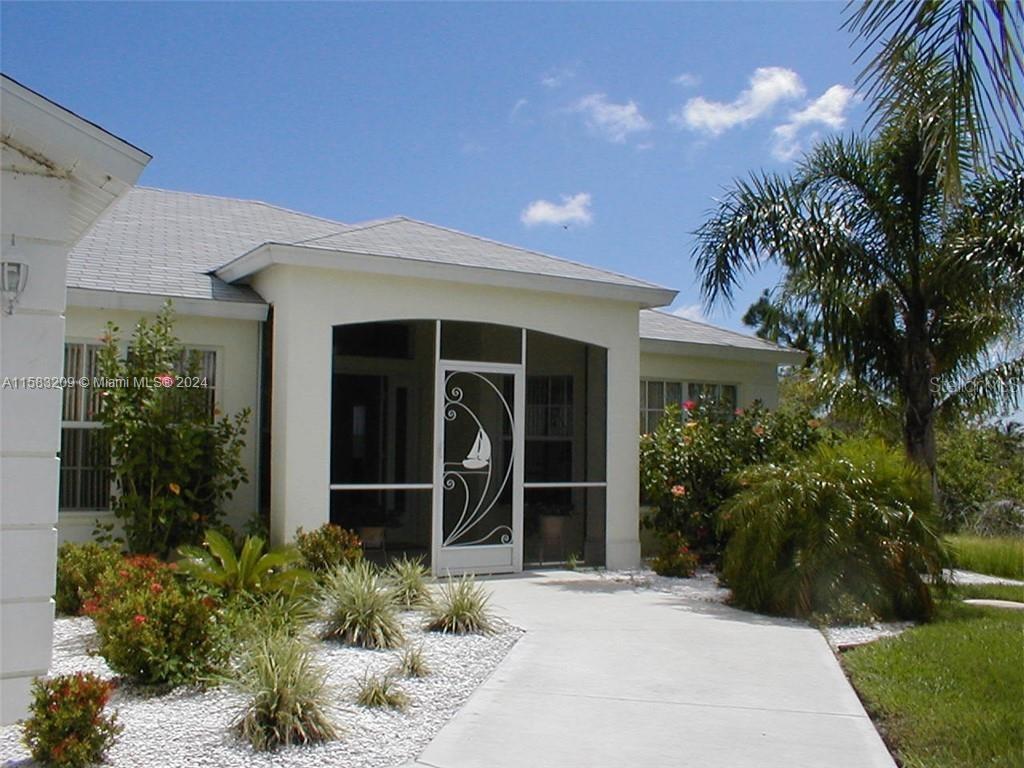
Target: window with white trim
657,395
84,456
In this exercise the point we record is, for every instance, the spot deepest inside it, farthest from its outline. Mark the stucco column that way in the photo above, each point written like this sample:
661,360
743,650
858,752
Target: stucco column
622,515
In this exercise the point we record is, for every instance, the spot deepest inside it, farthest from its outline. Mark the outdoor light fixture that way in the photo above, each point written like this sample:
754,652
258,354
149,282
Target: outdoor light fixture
13,276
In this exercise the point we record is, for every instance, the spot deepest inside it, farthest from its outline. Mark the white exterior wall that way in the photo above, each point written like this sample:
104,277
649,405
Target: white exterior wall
308,302
755,380
237,345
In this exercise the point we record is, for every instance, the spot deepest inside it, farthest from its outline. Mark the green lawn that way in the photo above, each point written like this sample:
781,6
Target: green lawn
949,694
994,555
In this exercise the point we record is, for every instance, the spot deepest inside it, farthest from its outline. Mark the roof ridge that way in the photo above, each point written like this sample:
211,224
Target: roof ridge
730,331
252,201
529,250
351,228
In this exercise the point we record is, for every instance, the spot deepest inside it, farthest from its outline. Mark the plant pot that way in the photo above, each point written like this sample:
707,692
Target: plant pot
552,529
372,536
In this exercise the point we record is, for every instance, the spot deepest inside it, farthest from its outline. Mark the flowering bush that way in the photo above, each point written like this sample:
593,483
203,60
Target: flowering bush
676,559
66,725
328,547
79,567
153,628
688,464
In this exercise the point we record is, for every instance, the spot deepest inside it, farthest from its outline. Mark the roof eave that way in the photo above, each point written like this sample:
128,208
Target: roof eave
779,355
264,255
148,302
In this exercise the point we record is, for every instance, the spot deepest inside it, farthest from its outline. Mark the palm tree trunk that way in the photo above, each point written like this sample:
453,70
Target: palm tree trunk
919,414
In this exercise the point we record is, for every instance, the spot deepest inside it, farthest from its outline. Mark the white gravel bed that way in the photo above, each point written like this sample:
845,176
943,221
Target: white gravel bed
849,637
703,586
970,577
189,728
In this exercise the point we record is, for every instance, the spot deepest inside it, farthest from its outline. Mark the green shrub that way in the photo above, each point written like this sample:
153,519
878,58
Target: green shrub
173,464
288,695
153,628
675,559
250,617
381,691
79,567
66,724
328,547
461,607
408,578
412,663
994,555
687,465
251,570
361,608
854,521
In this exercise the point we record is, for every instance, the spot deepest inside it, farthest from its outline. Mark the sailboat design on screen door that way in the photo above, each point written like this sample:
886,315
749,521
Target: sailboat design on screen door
479,455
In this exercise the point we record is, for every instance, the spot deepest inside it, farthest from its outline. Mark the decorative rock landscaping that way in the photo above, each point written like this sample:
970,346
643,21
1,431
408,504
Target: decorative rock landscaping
190,728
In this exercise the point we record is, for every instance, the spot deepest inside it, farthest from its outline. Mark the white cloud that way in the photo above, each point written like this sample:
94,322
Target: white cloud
574,209
686,80
519,106
613,121
690,312
555,78
829,110
768,86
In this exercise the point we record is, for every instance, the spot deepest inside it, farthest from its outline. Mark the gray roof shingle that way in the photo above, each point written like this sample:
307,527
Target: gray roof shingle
166,243
664,326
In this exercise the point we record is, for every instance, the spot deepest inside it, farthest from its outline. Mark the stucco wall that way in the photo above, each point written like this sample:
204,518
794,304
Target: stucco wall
237,345
308,302
754,380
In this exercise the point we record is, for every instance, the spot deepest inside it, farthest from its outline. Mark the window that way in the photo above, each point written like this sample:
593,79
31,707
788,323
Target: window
84,455
656,396
84,458
549,428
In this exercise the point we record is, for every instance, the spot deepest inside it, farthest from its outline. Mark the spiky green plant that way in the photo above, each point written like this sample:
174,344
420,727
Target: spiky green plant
252,570
460,607
409,580
849,522
381,691
412,662
289,697
361,608
252,616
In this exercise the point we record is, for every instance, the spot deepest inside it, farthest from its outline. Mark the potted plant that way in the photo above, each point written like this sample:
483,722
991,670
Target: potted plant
371,521
552,528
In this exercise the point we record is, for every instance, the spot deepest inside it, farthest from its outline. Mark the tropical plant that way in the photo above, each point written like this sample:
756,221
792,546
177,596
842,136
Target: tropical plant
976,44
412,662
252,570
79,567
687,465
328,547
361,608
675,559
910,301
173,463
252,616
852,522
288,696
381,691
66,724
460,607
160,634
409,580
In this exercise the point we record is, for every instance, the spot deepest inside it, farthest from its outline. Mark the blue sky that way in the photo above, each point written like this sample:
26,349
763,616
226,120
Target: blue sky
599,133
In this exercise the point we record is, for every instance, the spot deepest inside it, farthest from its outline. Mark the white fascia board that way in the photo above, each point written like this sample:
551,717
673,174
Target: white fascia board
148,302
264,255
780,356
66,139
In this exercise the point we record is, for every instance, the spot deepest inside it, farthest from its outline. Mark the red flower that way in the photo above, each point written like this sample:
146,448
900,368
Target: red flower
689,405
139,619
758,430
156,588
739,411
678,490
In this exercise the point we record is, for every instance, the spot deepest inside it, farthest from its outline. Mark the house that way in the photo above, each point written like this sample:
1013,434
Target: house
60,172
445,394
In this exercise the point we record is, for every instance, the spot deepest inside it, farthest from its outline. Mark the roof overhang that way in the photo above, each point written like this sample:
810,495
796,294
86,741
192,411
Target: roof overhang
779,356
45,139
148,302
268,254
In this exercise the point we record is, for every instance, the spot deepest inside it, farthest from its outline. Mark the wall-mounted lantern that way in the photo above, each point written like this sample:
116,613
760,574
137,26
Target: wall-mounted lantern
13,277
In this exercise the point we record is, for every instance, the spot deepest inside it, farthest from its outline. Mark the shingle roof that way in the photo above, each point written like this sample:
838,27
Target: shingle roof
664,326
405,238
165,243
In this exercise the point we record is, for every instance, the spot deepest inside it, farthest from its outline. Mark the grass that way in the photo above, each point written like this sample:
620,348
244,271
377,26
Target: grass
381,691
361,608
412,663
993,555
409,581
461,607
990,592
948,694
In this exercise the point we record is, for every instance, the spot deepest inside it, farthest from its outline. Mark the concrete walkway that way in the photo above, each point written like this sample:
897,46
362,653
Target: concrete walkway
608,676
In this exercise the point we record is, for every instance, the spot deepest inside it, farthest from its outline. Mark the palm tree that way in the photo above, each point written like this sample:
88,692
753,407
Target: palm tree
977,43
911,294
